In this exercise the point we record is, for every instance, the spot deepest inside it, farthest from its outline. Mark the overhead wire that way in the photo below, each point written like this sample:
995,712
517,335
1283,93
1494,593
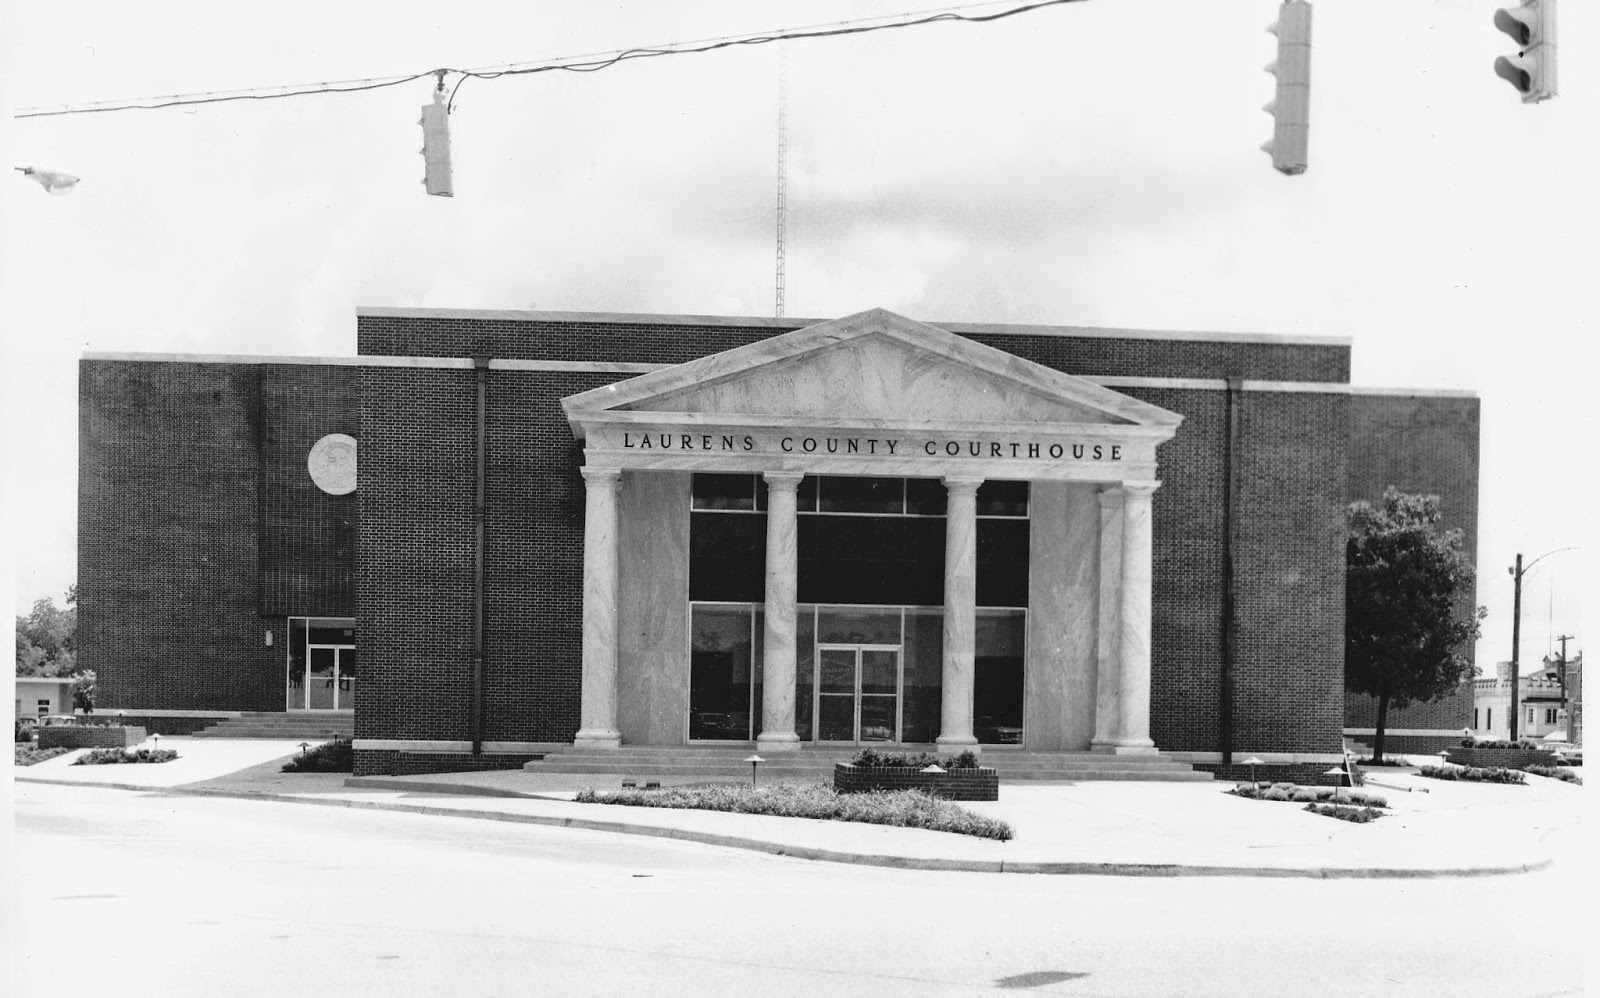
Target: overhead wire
571,64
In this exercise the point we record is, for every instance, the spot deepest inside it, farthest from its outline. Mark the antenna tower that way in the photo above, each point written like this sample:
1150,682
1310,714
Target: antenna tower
783,166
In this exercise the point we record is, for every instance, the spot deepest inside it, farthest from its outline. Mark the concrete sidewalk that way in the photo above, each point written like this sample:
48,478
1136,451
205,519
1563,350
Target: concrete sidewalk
1148,829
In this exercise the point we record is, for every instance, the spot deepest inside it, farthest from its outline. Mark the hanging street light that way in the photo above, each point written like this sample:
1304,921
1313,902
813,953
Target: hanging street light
50,180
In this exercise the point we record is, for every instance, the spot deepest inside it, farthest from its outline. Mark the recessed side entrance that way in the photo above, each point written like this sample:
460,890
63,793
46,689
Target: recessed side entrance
322,664
858,693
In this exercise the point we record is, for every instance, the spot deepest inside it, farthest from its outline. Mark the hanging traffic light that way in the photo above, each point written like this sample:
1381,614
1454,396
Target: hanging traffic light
1291,106
1533,69
436,146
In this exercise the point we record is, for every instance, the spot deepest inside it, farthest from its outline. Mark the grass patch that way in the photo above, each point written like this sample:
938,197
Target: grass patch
1296,794
337,756
901,808
1359,815
27,755
1555,773
1473,774
115,756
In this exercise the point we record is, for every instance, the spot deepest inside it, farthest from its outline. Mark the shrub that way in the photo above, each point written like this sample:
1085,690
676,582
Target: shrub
85,691
1309,795
1383,762
869,758
27,755
337,756
1473,775
900,808
1554,773
1520,743
24,732
114,756
1359,815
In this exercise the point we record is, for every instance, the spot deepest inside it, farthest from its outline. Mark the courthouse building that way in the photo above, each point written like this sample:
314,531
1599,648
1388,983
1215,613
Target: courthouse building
534,530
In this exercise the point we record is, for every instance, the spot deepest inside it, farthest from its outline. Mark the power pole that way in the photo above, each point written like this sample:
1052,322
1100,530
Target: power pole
1561,674
1516,640
783,167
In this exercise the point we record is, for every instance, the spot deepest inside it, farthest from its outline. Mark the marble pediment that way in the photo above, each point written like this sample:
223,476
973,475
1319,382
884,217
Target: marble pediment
872,368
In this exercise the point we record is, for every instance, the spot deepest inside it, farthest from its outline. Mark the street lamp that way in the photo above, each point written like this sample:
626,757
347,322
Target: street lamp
1253,762
50,180
754,761
1517,574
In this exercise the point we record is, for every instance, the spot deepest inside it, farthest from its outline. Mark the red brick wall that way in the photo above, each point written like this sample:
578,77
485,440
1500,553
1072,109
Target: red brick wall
187,500
1427,445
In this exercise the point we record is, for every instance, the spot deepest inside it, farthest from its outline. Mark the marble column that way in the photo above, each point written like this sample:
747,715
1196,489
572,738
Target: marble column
598,715
1133,734
960,612
1108,629
778,643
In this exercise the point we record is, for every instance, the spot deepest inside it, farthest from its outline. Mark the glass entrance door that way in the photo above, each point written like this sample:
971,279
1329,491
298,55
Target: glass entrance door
858,693
330,677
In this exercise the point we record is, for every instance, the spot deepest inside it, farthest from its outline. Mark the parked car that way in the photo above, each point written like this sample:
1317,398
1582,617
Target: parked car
59,720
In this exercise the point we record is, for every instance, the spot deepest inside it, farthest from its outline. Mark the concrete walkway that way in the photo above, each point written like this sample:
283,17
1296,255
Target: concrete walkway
1133,829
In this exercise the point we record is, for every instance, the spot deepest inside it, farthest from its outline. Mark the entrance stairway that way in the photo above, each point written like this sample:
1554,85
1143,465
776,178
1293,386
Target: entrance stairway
296,727
679,765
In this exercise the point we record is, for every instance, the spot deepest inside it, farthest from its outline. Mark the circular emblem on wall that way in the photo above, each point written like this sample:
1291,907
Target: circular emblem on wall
333,464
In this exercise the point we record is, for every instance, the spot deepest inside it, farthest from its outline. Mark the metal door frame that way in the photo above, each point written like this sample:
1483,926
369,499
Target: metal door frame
337,656
817,694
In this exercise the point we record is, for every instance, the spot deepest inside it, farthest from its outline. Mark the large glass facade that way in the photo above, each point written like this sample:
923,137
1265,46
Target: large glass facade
869,641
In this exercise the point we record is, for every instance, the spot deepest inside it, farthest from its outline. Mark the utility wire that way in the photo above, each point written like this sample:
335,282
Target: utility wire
570,64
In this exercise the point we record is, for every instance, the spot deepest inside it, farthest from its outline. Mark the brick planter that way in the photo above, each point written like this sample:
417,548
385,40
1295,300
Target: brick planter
90,736
1499,757
954,784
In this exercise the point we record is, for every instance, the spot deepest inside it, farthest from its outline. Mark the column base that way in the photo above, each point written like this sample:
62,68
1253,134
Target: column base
597,739
953,744
778,741
1137,746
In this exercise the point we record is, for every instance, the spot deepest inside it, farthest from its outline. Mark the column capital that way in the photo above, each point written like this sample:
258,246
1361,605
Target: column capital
601,476
963,483
1143,488
789,481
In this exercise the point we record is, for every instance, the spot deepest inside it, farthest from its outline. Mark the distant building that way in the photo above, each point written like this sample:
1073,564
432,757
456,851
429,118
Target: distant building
39,695
1544,702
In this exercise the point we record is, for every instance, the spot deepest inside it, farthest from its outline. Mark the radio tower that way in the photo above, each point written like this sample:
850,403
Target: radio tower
783,164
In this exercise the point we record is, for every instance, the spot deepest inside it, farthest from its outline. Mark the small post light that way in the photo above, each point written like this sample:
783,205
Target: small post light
1253,762
304,746
1336,771
157,740
754,761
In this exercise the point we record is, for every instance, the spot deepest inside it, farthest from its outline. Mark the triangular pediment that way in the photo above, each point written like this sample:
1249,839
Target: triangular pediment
869,367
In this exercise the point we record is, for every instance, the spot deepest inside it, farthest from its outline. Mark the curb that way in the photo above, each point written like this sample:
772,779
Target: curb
847,858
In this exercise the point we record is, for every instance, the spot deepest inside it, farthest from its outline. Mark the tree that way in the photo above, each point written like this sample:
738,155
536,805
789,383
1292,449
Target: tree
1409,624
84,691
45,638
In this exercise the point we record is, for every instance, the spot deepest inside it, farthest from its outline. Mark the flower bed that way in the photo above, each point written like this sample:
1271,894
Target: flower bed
1555,773
904,809
962,778
337,756
1359,815
1295,794
1473,775
27,755
115,756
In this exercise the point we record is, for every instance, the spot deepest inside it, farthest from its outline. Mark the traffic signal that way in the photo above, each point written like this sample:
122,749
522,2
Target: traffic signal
1533,69
1291,107
436,146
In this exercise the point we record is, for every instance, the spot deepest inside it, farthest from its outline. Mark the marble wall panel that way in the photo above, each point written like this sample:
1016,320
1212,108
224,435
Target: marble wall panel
1063,609
653,608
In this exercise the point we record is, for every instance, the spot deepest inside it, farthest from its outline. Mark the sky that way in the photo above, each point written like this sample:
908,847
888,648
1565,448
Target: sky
1093,163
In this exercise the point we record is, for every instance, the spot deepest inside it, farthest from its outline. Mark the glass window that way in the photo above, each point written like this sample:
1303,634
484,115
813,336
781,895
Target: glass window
858,625
1003,498
1003,562
721,673
925,497
727,557
805,650
997,676
924,674
862,495
725,492
887,560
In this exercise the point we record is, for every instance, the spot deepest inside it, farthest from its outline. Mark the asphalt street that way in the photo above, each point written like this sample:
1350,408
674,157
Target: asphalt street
147,894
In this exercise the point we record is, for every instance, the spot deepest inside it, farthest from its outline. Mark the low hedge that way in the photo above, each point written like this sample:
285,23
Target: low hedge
115,756
1470,774
1359,815
869,758
1296,794
901,808
337,756
1555,773
27,755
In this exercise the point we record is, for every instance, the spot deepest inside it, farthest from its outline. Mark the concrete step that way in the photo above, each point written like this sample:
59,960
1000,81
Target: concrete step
279,725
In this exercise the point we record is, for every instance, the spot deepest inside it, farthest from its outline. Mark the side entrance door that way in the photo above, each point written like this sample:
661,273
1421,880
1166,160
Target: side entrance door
330,677
858,693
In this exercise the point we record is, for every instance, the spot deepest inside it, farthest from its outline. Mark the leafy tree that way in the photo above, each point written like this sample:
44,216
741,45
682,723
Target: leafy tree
45,645
1408,625
84,691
